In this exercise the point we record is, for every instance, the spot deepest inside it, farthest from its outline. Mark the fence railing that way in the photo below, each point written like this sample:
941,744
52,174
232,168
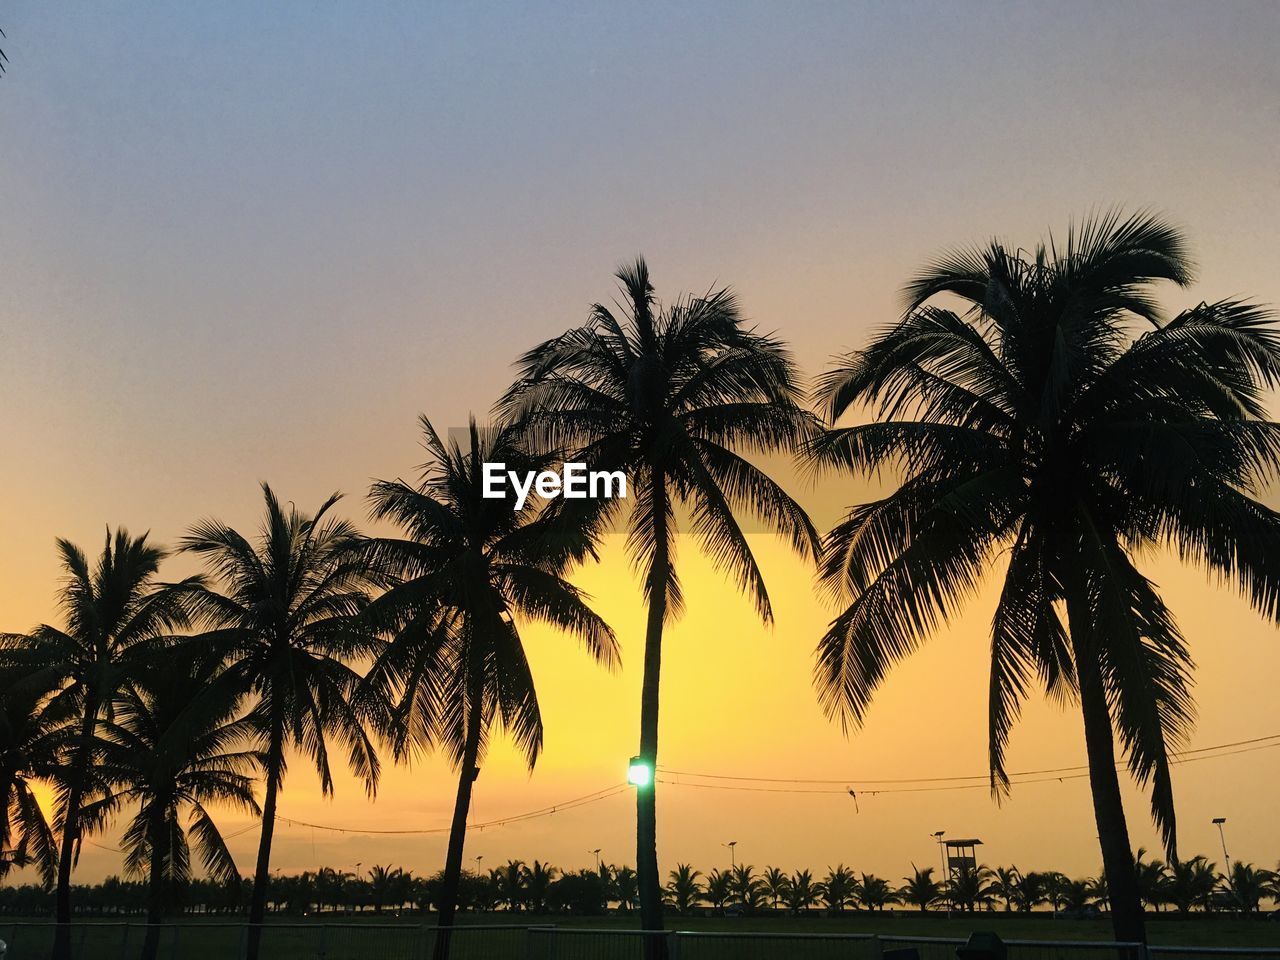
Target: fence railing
218,940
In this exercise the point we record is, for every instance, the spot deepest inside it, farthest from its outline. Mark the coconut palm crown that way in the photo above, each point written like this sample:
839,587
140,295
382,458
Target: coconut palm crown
1040,411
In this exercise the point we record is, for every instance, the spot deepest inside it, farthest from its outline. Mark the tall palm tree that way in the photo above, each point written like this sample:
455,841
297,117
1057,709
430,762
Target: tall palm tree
467,568
669,396
1152,878
116,615
875,892
719,889
1005,883
1040,423
175,744
838,888
1030,889
748,888
284,610
1247,885
34,735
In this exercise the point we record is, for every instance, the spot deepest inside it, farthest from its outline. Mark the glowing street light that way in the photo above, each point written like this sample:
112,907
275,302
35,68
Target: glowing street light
639,772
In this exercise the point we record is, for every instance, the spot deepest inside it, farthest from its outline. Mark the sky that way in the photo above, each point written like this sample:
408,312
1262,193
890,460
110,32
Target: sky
249,242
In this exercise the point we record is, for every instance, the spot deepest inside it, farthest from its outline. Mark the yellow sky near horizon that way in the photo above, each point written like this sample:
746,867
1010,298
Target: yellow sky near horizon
247,259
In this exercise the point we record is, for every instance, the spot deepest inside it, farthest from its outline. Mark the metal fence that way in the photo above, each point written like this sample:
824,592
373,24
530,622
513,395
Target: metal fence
213,940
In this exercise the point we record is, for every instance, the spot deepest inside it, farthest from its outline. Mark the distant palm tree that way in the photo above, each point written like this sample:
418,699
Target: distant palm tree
1152,878
1247,886
968,888
1030,890
683,888
467,567
749,888
1192,883
387,886
719,889
838,888
920,889
802,892
668,396
33,739
1037,426
175,744
875,893
1004,884
777,883
284,609
117,615
624,888
509,884
537,883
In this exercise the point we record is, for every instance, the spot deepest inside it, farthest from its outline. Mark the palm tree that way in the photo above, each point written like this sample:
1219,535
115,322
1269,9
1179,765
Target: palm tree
838,888
33,738
1030,890
1004,884
1036,425
466,569
1192,883
1152,878
968,888
116,615
537,883
174,744
624,888
1247,885
508,882
667,396
387,886
683,888
920,888
874,892
748,888
284,610
802,892
719,888
777,883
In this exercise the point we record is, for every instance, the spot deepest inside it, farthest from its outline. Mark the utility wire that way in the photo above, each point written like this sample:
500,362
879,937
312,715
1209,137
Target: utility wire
1182,756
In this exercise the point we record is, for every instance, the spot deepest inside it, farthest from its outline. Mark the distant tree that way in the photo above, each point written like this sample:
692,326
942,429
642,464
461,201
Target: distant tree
537,881
1192,884
838,888
683,888
802,892
508,882
920,889
719,889
968,888
777,883
1248,886
875,893
1153,880
1030,890
1004,884
749,889
581,893
624,888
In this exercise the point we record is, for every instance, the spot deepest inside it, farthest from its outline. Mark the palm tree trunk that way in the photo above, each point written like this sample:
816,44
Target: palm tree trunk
647,879
70,832
1108,809
262,871
448,903
155,890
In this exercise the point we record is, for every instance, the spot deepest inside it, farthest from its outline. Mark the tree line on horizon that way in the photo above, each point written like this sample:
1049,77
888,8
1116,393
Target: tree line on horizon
540,888
1037,408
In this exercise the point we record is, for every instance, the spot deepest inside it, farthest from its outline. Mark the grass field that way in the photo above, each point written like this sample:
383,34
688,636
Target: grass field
484,937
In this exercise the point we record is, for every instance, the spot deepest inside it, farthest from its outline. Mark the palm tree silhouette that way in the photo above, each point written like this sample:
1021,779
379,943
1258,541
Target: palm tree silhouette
920,889
683,888
117,615
34,736
667,396
802,892
1005,883
175,744
838,888
1036,423
777,883
467,567
284,610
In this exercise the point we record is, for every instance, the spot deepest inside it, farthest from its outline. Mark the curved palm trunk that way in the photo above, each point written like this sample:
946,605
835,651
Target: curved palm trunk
70,833
262,871
155,890
448,903
1108,809
650,887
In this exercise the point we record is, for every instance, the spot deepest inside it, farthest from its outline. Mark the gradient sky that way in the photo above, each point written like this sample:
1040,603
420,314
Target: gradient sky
247,242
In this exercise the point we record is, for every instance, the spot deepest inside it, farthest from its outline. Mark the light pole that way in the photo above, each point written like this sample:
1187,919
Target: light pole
596,851
1220,821
942,856
478,859
732,844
